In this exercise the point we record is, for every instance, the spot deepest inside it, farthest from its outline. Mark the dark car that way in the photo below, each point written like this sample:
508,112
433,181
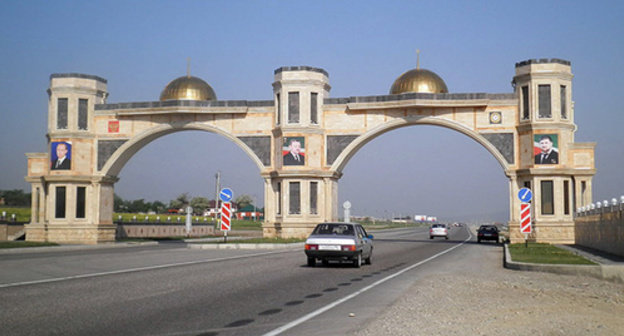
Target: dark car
487,232
339,241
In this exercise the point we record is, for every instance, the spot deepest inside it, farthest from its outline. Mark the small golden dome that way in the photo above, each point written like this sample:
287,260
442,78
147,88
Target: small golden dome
419,80
188,88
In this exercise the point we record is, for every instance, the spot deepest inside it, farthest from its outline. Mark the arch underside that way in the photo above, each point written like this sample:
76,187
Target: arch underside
484,139
113,154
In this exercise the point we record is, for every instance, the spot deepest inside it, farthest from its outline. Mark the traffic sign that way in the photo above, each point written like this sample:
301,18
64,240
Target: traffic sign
525,218
525,195
226,213
226,194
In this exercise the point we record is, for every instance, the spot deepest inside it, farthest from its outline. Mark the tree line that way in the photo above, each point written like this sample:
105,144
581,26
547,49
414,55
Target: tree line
199,204
15,197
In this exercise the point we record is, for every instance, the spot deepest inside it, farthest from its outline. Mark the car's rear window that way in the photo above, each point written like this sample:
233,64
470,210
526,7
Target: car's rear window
437,226
337,229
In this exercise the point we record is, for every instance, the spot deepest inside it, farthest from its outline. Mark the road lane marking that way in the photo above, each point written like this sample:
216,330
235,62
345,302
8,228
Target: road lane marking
352,295
138,269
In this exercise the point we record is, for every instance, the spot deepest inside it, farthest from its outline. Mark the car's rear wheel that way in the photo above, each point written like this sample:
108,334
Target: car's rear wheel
430,237
311,261
446,237
368,260
357,262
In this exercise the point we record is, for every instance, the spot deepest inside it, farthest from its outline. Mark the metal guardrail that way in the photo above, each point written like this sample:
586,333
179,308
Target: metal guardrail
601,207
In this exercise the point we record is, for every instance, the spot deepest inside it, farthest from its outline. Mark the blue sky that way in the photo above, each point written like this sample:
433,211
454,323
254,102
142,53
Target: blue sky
139,46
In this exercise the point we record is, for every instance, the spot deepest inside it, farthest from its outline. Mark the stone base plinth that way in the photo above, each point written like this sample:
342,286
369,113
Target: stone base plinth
552,233
287,230
71,234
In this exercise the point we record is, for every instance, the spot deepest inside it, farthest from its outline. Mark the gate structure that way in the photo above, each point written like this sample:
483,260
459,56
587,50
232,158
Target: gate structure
302,139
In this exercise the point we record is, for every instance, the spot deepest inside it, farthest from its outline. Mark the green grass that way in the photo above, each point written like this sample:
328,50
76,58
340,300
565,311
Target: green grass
17,244
21,214
540,253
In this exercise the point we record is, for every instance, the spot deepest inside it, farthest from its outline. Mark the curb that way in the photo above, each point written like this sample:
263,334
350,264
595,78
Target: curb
242,246
62,248
605,272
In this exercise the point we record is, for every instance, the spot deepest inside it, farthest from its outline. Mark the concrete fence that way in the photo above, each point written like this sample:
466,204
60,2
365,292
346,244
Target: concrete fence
161,230
601,226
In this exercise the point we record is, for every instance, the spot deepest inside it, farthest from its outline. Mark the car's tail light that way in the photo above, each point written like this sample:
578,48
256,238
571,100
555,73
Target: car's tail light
348,247
311,247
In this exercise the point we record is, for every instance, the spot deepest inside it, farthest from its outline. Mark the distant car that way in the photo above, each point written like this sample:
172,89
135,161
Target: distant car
487,232
339,241
438,230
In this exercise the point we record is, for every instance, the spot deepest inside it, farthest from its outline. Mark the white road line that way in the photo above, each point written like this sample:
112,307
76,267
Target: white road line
351,296
138,269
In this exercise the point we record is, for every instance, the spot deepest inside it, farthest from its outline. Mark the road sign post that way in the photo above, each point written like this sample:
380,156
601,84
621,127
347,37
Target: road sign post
226,214
226,195
525,195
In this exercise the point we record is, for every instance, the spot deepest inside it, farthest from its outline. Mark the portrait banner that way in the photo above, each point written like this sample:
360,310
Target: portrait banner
546,148
293,151
60,155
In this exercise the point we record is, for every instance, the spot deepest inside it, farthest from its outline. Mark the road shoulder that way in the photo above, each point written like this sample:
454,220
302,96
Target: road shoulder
475,295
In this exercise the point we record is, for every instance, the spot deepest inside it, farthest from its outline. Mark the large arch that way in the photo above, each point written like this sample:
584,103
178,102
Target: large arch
124,153
365,138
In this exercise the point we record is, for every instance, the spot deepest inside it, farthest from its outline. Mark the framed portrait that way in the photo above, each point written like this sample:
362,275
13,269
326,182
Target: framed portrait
546,149
293,151
60,155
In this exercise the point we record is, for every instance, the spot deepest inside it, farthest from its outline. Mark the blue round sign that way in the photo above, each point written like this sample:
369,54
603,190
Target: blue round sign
226,194
525,195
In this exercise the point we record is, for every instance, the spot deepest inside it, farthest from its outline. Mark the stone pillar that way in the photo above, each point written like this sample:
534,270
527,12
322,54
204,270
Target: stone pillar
72,206
301,189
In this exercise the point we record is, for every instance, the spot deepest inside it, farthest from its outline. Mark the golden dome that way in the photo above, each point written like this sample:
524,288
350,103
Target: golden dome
188,88
419,80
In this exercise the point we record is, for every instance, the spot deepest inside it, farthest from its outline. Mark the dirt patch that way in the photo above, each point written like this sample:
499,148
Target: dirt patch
477,296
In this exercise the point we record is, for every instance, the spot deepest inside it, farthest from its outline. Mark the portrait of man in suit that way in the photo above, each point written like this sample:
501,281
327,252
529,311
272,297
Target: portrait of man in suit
61,156
546,149
293,151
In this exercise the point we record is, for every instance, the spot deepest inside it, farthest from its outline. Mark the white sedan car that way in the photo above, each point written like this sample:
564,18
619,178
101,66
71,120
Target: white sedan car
339,241
438,230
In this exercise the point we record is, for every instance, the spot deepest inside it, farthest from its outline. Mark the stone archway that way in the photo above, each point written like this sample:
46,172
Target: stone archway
74,204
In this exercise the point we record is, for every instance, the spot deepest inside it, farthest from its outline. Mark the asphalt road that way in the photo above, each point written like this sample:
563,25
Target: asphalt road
172,290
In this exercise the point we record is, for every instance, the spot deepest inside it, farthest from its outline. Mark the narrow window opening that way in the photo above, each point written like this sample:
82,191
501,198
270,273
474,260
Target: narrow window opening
60,202
80,202
566,197
314,108
525,102
313,197
83,120
279,109
544,101
564,109
61,113
293,107
294,204
279,198
548,207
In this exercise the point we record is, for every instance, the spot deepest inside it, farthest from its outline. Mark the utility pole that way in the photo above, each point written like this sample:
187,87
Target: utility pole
217,188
